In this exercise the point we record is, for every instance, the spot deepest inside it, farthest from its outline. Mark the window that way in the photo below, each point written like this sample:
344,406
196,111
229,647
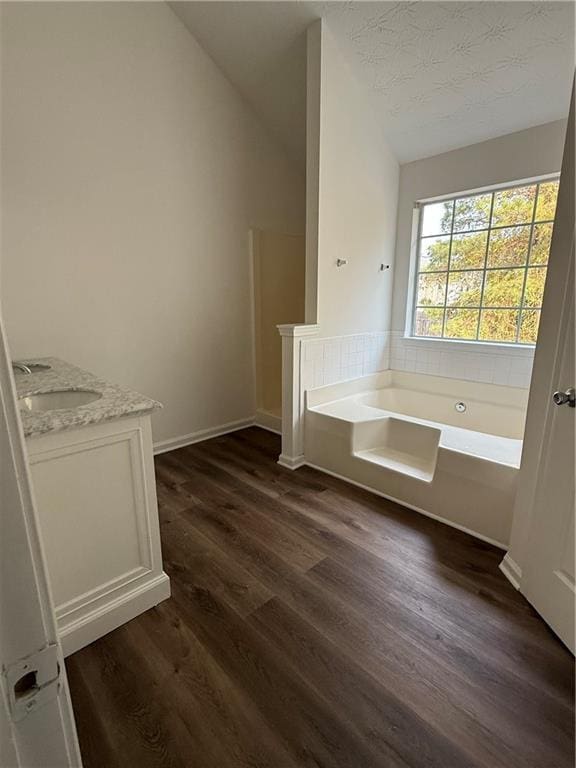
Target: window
482,264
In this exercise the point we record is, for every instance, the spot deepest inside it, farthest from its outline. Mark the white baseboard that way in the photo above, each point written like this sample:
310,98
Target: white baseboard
202,434
268,421
444,520
511,570
291,462
99,622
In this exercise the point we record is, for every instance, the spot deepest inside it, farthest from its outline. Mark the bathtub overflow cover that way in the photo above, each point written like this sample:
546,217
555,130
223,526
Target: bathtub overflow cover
460,407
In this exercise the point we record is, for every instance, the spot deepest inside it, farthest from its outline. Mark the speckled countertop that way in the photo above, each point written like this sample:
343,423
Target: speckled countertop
115,402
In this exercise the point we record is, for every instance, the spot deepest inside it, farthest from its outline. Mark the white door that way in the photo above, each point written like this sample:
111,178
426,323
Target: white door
36,721
548,578
548,566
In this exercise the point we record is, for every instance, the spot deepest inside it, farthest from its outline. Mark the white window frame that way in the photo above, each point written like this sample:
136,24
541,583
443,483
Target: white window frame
412,276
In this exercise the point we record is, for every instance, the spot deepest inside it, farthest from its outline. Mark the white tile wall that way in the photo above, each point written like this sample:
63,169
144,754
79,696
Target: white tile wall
327,361
509,366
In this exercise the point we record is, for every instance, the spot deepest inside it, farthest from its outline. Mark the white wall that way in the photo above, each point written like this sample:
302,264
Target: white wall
358,190
522,155
131,174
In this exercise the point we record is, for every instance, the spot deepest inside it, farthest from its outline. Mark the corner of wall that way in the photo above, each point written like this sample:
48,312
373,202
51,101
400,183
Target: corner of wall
313,93
357,200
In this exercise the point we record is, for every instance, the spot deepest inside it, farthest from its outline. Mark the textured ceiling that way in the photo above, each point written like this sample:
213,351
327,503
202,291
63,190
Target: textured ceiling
441,74
445,75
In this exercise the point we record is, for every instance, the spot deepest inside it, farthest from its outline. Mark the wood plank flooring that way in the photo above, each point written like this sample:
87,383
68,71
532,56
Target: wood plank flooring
315,625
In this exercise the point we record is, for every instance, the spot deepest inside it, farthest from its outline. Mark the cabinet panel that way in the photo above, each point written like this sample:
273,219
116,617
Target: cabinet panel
96,502
89,507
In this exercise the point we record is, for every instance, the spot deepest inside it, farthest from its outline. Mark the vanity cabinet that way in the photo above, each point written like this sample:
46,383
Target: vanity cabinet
96,499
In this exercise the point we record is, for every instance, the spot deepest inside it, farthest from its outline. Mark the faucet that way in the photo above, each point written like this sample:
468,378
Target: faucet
21,367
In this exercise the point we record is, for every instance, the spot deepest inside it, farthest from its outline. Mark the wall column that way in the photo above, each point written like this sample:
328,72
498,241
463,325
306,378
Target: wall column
292,455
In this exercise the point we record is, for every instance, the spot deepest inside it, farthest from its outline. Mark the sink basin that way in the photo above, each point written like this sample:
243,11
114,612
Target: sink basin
59,400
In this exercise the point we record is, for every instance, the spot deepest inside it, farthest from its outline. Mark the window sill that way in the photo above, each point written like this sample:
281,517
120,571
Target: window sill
493,347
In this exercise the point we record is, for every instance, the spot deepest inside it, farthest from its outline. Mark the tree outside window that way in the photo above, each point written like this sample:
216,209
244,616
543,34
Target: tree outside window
482,264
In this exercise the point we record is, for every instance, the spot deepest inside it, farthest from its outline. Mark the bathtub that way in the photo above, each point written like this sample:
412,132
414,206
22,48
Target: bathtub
445,447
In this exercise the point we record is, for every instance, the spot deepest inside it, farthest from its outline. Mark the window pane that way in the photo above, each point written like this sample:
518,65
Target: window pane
468,251
431,289
498,325
472,212
546,204
437,218
482,262
428,322
503,287
513,206
541,239
461,323
434,253
529,326
534,287
464,289
508,247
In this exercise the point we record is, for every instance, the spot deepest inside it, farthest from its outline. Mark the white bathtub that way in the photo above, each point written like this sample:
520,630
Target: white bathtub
445,447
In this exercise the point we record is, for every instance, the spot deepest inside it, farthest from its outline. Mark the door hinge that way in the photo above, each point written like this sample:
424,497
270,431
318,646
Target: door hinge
32,681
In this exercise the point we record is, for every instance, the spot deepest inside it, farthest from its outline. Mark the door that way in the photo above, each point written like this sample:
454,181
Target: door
36,721
548,578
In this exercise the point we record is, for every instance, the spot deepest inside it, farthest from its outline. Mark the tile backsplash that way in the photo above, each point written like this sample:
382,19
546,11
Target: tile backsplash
329,360
489,364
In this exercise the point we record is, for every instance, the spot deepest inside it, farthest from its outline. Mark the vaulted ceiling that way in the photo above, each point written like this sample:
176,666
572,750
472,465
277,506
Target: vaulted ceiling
441,75
261,48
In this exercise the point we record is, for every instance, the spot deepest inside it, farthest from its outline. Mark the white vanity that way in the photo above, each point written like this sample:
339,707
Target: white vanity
93,478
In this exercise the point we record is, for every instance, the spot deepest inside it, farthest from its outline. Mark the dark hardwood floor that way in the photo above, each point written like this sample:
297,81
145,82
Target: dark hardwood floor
314,624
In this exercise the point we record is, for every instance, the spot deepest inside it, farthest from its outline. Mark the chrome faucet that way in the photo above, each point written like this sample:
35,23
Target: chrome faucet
22,367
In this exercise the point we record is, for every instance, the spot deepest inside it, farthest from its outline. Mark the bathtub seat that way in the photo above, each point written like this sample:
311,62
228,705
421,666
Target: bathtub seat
410,445
397,444
454,473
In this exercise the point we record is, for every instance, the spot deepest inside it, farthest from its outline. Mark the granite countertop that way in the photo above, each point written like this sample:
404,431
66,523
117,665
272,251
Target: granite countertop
115,402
